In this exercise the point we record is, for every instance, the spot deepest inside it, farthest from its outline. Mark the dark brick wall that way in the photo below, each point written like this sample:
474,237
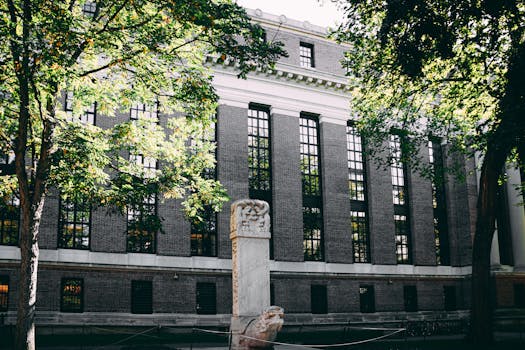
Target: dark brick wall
176,237
48,236
286,189
458,211
175,292
336,205
421,216
381,212
343,295
389,295
327,55
232,166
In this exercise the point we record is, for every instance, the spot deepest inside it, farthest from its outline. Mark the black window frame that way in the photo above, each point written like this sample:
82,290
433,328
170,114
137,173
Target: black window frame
260,128
140,240
313,229
367,302
305,60
207,305
439,202
519,295
358,195
400,199
318,299
84,118
10,222
203,231
141,297
63,215
4,293
137,111
450,298
65,307
410,298
90,9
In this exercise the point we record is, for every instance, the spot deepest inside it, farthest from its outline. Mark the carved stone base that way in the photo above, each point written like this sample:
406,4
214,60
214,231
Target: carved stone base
250,332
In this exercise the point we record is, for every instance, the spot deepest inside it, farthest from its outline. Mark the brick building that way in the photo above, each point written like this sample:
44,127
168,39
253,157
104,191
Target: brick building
351,241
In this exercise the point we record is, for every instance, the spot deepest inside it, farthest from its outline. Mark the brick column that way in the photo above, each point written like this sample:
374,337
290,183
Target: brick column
232,164
421,217
286,186
336,203
459,211
381,212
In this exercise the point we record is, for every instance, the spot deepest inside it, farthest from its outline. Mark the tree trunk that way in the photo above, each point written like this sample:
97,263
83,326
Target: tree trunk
25,324
481,314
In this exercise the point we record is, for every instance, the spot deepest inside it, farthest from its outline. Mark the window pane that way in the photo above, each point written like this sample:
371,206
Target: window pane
72,295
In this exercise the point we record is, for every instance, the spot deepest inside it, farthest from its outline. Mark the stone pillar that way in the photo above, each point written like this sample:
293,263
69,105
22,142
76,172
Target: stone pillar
516,218
495,263
250,232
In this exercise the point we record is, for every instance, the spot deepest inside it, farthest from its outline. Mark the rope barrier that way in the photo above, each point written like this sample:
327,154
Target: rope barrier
395,331
133,336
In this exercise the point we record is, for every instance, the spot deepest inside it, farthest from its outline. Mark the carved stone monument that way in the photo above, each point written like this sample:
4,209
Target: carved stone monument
253,320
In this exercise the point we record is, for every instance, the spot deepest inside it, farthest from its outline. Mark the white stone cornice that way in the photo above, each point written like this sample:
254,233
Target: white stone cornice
286,72
198,264
284,96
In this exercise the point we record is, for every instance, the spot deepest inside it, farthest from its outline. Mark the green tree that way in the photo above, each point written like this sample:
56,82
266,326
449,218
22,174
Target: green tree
115,53
454,69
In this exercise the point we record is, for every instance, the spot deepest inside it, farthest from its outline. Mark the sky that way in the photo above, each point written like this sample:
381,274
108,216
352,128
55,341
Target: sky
320,12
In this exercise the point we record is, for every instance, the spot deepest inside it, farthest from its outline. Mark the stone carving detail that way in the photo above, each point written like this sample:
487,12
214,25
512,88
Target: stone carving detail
250,216
263,328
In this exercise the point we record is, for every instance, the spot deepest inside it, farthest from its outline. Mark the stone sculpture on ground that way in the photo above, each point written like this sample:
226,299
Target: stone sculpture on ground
250,234
263,330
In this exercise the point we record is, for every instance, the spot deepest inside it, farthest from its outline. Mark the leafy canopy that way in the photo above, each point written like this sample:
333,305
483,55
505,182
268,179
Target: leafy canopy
117,54
430,67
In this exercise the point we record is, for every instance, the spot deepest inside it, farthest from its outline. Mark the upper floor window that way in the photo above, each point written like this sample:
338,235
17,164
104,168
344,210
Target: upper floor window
144,112
89,115
9,221
306,55
435,154
72,295
204,233
357,194
75,225
398,172
259,156
311,188
400,199
140,237
204,229
89,8
259,152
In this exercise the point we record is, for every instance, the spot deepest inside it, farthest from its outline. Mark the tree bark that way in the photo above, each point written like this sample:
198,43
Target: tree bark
482,306
508,135
25,325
